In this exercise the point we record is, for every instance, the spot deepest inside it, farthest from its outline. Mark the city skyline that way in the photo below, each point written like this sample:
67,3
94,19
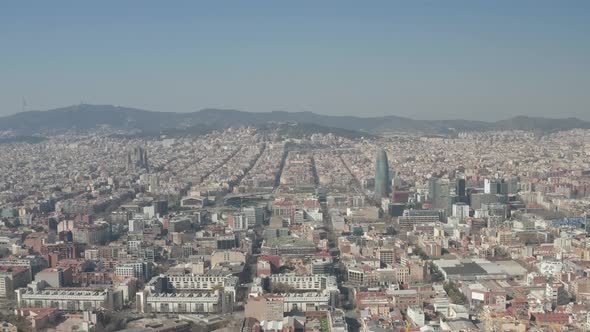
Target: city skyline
246,225
327,166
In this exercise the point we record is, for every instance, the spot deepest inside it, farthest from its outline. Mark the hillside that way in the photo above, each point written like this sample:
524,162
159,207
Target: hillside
87,117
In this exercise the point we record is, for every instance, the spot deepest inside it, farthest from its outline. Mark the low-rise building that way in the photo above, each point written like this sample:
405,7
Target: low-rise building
307,283
309,301
188,293
139,270
91,234
416,314
38,295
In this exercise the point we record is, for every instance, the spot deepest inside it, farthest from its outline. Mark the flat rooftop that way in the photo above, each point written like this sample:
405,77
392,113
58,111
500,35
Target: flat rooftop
472,267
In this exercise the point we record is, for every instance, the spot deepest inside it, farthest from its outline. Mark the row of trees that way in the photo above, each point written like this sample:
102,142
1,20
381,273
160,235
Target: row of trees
455,294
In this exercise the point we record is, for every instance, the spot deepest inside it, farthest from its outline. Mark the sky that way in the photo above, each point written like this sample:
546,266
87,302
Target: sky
477,60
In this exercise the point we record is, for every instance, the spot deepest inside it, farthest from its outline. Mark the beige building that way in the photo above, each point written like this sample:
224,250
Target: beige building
227,257
386,255
418,271
581,288
268,307
398,273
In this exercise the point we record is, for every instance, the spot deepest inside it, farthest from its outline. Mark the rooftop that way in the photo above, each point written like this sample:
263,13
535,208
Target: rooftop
288,241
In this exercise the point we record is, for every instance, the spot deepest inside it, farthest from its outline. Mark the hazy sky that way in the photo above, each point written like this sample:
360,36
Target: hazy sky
424,59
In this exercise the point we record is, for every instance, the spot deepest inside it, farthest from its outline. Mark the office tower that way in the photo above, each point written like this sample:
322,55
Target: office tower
254,215
440,194
507,187
431,188
512,186
491,186
382,182
460,186
154,183
461,211
478,199
460,189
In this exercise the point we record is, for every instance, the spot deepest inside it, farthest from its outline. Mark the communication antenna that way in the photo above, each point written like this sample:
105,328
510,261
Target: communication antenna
24,105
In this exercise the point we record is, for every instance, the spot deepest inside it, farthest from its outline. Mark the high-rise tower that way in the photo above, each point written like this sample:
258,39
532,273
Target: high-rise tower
439,193
382,182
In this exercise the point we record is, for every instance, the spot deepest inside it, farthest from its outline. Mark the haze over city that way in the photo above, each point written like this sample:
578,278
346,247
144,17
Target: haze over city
426,60
308,166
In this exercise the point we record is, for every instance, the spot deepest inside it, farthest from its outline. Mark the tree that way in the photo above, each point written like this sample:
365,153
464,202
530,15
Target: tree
454,293
358,231
18,321
324,326
278,287
418,251
435,274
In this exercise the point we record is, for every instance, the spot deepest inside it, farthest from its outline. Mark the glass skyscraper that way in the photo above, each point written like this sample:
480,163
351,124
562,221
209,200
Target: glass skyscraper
382,182
439,192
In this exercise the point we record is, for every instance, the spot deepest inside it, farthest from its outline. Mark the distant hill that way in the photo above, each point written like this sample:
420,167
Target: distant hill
22,139
87,117
541,124
300,130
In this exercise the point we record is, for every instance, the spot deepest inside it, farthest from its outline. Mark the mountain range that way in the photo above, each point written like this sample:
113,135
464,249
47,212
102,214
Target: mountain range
87,117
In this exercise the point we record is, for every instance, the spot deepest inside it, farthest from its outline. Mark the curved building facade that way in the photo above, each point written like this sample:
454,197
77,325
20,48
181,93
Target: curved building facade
381,175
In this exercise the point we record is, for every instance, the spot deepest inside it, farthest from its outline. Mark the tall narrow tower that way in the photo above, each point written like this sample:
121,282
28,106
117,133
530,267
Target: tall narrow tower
382,182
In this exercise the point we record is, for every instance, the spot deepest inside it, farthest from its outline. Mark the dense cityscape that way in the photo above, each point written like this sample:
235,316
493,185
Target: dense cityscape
243,229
